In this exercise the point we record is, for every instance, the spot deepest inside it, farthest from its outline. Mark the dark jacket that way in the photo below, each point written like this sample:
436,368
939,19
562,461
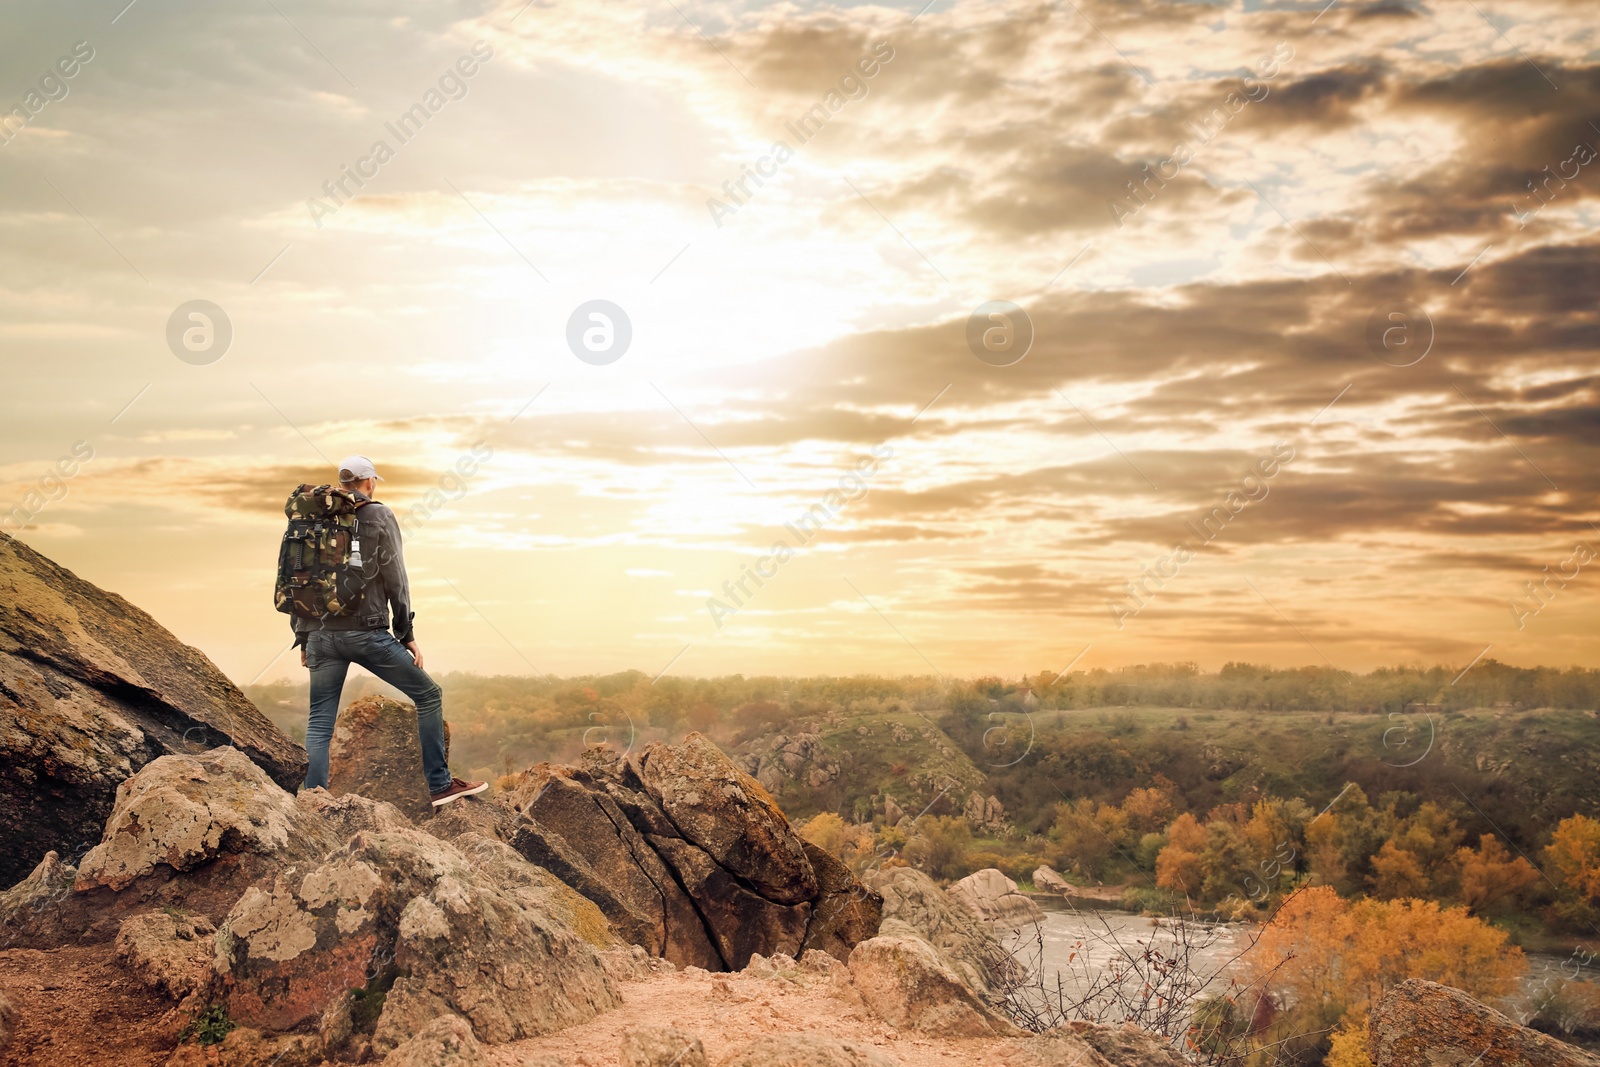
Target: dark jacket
383,566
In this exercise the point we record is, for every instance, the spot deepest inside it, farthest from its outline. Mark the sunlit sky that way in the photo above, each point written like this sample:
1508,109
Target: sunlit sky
1306,169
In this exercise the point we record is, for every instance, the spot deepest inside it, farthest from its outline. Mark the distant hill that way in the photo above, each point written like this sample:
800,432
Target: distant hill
848,763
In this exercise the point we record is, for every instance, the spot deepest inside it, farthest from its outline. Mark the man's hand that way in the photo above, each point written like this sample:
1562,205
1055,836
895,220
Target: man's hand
302,655
416,653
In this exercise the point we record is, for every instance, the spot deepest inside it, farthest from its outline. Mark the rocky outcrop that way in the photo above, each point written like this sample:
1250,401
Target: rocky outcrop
993,897
1424,1024
375,753
688,857
892,812
185,811
91,690
332,915
906,984
405,907
187,833
915,906
807,1050
984,814
537,888
787,758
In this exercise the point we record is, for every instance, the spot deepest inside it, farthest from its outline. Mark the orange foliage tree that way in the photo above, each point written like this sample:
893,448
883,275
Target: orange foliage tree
1330,958
1574,858
1492,879
1178,866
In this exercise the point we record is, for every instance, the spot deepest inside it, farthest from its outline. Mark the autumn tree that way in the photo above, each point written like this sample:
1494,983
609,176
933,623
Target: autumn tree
1178,867
1574,859
1331,958
1397,872
1079,841
1148,810
1493,881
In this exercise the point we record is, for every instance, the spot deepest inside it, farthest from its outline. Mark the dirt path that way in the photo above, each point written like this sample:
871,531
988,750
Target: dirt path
77,1006
728,1010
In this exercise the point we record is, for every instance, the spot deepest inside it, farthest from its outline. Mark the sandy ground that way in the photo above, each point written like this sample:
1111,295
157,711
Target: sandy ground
726,1011
77,1006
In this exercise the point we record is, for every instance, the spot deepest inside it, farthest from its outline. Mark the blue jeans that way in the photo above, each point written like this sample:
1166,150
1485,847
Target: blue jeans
329,654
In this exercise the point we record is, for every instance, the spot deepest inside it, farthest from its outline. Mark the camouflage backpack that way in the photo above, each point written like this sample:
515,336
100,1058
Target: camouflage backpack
319,563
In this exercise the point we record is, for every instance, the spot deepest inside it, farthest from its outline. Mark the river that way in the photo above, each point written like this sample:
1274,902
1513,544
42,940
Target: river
1085,950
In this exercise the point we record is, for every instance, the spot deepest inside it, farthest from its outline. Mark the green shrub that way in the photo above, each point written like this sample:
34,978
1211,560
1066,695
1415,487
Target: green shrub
209,1027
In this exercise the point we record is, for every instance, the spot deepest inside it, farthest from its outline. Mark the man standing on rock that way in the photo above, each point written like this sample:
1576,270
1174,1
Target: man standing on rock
330,644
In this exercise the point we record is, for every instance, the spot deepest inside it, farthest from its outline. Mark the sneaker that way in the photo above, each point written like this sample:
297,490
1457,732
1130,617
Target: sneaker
458,788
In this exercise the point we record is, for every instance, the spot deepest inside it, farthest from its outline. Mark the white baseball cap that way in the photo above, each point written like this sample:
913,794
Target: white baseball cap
357,468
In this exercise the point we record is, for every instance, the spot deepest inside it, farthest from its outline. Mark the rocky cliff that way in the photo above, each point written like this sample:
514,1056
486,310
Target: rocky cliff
91,690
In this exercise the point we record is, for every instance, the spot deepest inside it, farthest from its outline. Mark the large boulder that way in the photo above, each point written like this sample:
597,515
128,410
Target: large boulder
1425,1024
181,812
403,915
375,753
984,814
915,906
687,856
569,822
92,689
729,815
905,983
1046,878
994,898
194,831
